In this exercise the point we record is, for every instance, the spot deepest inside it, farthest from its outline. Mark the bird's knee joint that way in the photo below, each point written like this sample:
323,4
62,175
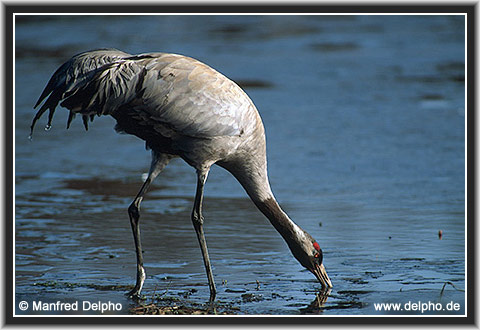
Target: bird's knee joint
197,219
133,211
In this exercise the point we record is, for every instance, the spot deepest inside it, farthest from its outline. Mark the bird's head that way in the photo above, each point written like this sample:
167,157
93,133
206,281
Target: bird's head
308,252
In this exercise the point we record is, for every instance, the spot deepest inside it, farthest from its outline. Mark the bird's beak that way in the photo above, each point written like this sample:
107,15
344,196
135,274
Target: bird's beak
321,274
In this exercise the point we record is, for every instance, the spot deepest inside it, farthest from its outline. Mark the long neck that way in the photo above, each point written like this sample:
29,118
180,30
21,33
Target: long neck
254,179
278,218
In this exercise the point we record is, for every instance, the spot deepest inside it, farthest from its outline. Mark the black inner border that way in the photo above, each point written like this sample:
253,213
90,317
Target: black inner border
10,10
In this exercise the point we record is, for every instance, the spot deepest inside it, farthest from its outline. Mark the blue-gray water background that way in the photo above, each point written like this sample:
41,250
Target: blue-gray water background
365,126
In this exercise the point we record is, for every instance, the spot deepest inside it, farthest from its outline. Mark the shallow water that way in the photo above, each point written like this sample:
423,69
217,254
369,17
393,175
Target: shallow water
365,131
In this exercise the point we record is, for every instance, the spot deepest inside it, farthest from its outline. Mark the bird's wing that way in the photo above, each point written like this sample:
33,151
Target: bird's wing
165,90
194,99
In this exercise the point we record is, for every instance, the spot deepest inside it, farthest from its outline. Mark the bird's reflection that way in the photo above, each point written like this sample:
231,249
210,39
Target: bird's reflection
316,306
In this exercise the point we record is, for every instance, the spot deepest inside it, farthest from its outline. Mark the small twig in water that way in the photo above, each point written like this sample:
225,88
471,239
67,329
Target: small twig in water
448,282
166,290
154,291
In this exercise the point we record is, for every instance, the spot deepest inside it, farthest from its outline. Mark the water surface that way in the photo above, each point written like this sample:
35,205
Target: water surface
365,131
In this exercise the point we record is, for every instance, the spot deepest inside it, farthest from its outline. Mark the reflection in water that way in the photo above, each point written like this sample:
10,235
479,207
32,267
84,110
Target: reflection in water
316,306
365,119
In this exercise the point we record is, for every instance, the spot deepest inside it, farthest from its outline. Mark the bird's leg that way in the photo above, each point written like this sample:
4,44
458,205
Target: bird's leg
197,219
159,161
133,212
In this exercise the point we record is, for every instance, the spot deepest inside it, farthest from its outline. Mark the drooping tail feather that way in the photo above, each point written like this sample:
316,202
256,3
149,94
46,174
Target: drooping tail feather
69,78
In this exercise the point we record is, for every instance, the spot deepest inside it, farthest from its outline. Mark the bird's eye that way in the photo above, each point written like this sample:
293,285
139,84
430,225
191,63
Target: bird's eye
318,256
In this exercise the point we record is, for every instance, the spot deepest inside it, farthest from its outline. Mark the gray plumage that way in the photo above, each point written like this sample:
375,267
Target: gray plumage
181,108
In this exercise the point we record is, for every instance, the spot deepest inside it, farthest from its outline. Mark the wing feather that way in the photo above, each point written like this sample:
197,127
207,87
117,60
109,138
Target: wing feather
195,99
170,93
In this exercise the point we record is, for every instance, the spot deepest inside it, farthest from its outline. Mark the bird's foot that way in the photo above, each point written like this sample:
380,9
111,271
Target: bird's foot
211,307
134,294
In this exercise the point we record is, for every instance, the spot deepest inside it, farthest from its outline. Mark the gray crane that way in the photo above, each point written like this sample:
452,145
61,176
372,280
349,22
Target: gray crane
182,108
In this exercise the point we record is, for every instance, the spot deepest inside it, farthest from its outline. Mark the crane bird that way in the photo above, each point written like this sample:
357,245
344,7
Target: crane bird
181,108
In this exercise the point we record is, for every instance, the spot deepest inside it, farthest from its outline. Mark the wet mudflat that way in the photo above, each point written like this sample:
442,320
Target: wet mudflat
365,131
